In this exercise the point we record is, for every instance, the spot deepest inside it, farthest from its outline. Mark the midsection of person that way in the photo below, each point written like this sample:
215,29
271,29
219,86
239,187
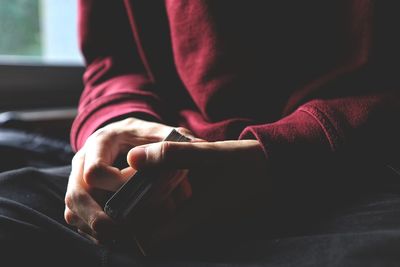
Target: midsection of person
243,60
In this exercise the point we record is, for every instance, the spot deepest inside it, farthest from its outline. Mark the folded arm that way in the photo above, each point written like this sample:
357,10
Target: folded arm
364,126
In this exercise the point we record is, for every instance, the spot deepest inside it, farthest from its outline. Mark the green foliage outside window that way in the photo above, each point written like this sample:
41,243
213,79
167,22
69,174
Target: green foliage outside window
20,27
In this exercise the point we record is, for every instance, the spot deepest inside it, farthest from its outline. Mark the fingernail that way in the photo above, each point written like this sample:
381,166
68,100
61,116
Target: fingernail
137,156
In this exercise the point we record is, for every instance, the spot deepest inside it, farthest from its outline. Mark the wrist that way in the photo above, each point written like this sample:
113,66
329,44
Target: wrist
253,151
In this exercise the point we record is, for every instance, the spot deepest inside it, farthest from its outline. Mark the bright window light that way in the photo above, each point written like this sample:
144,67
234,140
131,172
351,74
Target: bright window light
39,31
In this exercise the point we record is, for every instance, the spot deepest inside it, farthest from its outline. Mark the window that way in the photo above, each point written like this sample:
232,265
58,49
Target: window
39,31
40,63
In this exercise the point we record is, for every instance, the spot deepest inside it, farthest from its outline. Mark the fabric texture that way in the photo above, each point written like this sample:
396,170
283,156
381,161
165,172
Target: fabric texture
363,232
307,79
315,82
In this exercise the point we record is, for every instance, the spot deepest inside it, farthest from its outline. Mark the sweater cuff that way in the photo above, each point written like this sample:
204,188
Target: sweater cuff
91,119
303,135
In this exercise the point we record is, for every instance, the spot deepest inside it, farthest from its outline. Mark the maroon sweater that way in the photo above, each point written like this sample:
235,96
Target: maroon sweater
305,78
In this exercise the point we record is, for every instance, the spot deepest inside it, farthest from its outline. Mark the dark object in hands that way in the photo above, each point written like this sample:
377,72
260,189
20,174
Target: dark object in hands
122,203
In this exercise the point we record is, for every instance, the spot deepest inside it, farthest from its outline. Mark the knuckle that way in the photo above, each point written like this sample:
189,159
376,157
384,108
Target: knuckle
165,150
69,203
76,198
96,221
93,171
102,136
77,158
70,217
74,160
128,121
99,133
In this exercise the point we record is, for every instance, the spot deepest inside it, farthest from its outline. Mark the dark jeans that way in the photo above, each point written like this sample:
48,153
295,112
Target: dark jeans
365,232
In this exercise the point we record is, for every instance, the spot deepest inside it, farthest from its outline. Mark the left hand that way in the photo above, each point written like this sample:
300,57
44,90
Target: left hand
232,174
94,175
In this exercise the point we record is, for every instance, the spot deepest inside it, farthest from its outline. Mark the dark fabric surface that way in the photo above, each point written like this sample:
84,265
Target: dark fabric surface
363,232
20,148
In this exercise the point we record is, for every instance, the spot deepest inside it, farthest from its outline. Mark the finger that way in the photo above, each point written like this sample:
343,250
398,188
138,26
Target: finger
81,203
105,145
75,175
82,210
84,213
75,181
139,132
187,155
127,173
102,150
72,219
82,227
90,211
96,237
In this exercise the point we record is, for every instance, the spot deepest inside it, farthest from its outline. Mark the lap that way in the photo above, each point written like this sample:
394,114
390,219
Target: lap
364,232
32,228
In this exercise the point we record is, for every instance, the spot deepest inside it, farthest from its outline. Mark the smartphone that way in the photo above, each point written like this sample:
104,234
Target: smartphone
123,203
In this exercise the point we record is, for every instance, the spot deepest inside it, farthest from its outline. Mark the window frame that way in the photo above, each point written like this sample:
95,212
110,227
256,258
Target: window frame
25,85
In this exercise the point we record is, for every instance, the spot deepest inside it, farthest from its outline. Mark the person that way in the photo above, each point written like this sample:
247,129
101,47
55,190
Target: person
291,108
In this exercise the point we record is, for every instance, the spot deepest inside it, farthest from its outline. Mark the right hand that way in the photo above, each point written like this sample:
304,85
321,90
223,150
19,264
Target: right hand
93,174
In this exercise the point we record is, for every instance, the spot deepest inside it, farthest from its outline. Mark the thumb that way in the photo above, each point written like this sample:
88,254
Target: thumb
186,155
175,155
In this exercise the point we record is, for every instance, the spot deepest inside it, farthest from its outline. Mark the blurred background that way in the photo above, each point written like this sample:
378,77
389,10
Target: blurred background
39,31
40,79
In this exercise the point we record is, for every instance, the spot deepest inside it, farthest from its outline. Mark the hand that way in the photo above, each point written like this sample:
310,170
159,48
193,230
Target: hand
230,176
93,175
